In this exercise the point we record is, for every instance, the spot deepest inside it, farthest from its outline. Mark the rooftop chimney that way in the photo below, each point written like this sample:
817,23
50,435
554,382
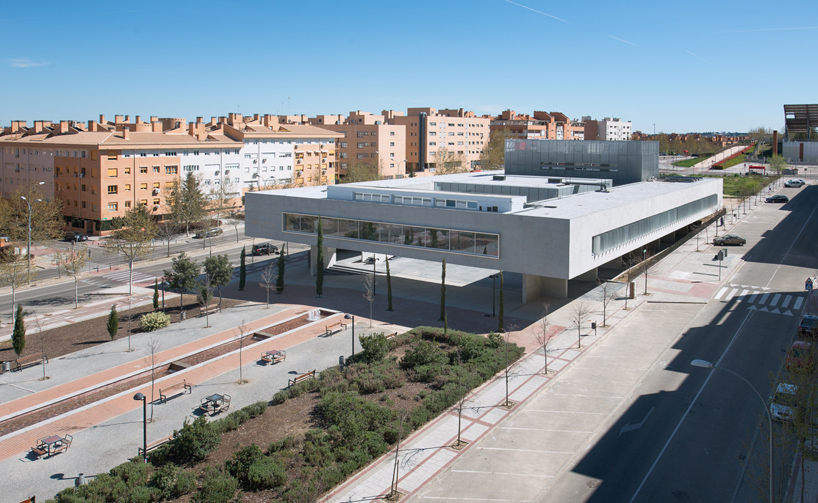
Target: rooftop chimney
117,119
63,126
101,119
198,120
38,126
92,126
137,120
126,134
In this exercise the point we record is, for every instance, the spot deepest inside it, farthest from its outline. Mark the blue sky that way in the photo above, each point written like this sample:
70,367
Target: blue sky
683,66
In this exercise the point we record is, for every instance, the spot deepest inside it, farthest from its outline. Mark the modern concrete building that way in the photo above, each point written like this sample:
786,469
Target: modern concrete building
548,229
621,162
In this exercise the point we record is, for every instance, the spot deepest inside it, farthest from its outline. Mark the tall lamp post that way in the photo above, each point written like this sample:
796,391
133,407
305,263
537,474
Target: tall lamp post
493,294
137,397
28,250
644,258
707,365
352,317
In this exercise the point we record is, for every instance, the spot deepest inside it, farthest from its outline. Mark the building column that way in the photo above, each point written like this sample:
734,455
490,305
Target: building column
329,258
535,287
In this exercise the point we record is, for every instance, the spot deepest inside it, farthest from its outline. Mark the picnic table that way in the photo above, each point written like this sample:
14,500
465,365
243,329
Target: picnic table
54,444
215,403
274,356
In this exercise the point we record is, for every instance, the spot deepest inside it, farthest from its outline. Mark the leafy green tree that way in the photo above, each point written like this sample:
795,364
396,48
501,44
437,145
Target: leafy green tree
501,310
388,287
194,441
155,294
219,271
242,268
133,240
46,215
494,155
113,322
182,276
319,266
280,275
443,292
187,203
778,164
13,273
376,347
18,336
357,172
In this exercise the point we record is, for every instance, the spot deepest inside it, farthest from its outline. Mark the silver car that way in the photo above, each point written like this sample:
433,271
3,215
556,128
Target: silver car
729,239
793,183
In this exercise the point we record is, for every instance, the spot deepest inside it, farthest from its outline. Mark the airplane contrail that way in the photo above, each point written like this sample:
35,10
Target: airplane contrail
622,40
535,10
699,57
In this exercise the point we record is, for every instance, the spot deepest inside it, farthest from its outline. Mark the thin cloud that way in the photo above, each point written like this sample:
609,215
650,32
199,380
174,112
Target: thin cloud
537,11
773,29
26,63
623,41
699,57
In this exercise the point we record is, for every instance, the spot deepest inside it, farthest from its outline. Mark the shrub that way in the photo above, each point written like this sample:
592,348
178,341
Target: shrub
232,421
134,473
194,441
154,321
376,346
242,460
423,353
266,473
256,409
217,487
280,397
173,481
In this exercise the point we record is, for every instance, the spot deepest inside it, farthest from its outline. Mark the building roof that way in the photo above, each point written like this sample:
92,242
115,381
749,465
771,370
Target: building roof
800,118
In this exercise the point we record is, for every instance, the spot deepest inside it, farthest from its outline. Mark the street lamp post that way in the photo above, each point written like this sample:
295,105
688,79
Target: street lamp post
137,397
644,258
352,317
707,365
28,250
493,293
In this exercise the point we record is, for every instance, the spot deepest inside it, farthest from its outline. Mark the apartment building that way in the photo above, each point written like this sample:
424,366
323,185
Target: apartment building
608,129
443,140
102,169
368,140
540,126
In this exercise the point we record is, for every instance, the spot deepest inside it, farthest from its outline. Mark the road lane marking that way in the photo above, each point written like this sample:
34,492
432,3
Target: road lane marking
731,294
743,295
764,298
505,473
721,292
786,302
798,301
775,300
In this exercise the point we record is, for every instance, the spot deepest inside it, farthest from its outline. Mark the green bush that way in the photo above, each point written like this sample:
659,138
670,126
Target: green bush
134,473
242,460
266,473
373,378
376,346
154,321
423,353
280,397
217,487
194,441
232,421
173,481
256,409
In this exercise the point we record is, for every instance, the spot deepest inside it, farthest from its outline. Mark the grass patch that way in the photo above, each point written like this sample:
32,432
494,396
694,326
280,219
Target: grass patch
735,160
690,162
740,185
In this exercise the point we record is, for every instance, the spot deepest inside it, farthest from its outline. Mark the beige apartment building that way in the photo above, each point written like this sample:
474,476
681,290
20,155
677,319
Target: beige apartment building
102,169
368,140
540,126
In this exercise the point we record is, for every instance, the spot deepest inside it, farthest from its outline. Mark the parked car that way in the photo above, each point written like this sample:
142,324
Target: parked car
729,239
793,183
76,236
264,249
777,199
808,326
800,356
782,403
214,231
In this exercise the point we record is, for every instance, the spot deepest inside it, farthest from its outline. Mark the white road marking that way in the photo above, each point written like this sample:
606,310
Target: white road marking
775,300
786,302
798,301
721,292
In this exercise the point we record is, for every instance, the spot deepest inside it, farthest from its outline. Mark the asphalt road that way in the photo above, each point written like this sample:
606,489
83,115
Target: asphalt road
703,433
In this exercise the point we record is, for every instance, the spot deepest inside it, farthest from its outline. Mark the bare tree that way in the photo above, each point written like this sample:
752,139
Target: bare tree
58,258
369,286
151,360
268,280
506,372
607,297
393,488
461,403
243,329
235,218
579,315
542,336
133,240
167,231
205,297
42,343
73,265
13,273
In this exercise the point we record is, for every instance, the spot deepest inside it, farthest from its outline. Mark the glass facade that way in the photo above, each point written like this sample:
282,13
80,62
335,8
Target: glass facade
627,233
451,240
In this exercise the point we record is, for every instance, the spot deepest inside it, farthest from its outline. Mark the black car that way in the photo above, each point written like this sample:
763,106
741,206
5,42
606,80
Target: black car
777,199
264,249
76,237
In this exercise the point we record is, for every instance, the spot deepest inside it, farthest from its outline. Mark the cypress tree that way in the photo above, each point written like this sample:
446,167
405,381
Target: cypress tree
155,294
388,287
18,337
113,322
443,292
280,276
242,268
319,261
500,317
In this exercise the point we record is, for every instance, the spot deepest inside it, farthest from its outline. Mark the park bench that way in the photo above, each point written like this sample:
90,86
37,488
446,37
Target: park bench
274,356
64,445
182,387
297,379
155,445
390,336
332,326
258,336
30,360
208,309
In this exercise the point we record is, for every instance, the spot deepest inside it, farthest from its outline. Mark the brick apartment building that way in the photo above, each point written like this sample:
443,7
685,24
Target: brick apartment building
540,126
101,169
608,129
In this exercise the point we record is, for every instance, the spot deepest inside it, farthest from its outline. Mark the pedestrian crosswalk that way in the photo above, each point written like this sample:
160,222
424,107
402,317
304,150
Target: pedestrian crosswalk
757,298
124,277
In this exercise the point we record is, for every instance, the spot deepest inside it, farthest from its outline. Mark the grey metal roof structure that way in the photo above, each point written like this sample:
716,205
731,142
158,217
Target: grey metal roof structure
801,118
